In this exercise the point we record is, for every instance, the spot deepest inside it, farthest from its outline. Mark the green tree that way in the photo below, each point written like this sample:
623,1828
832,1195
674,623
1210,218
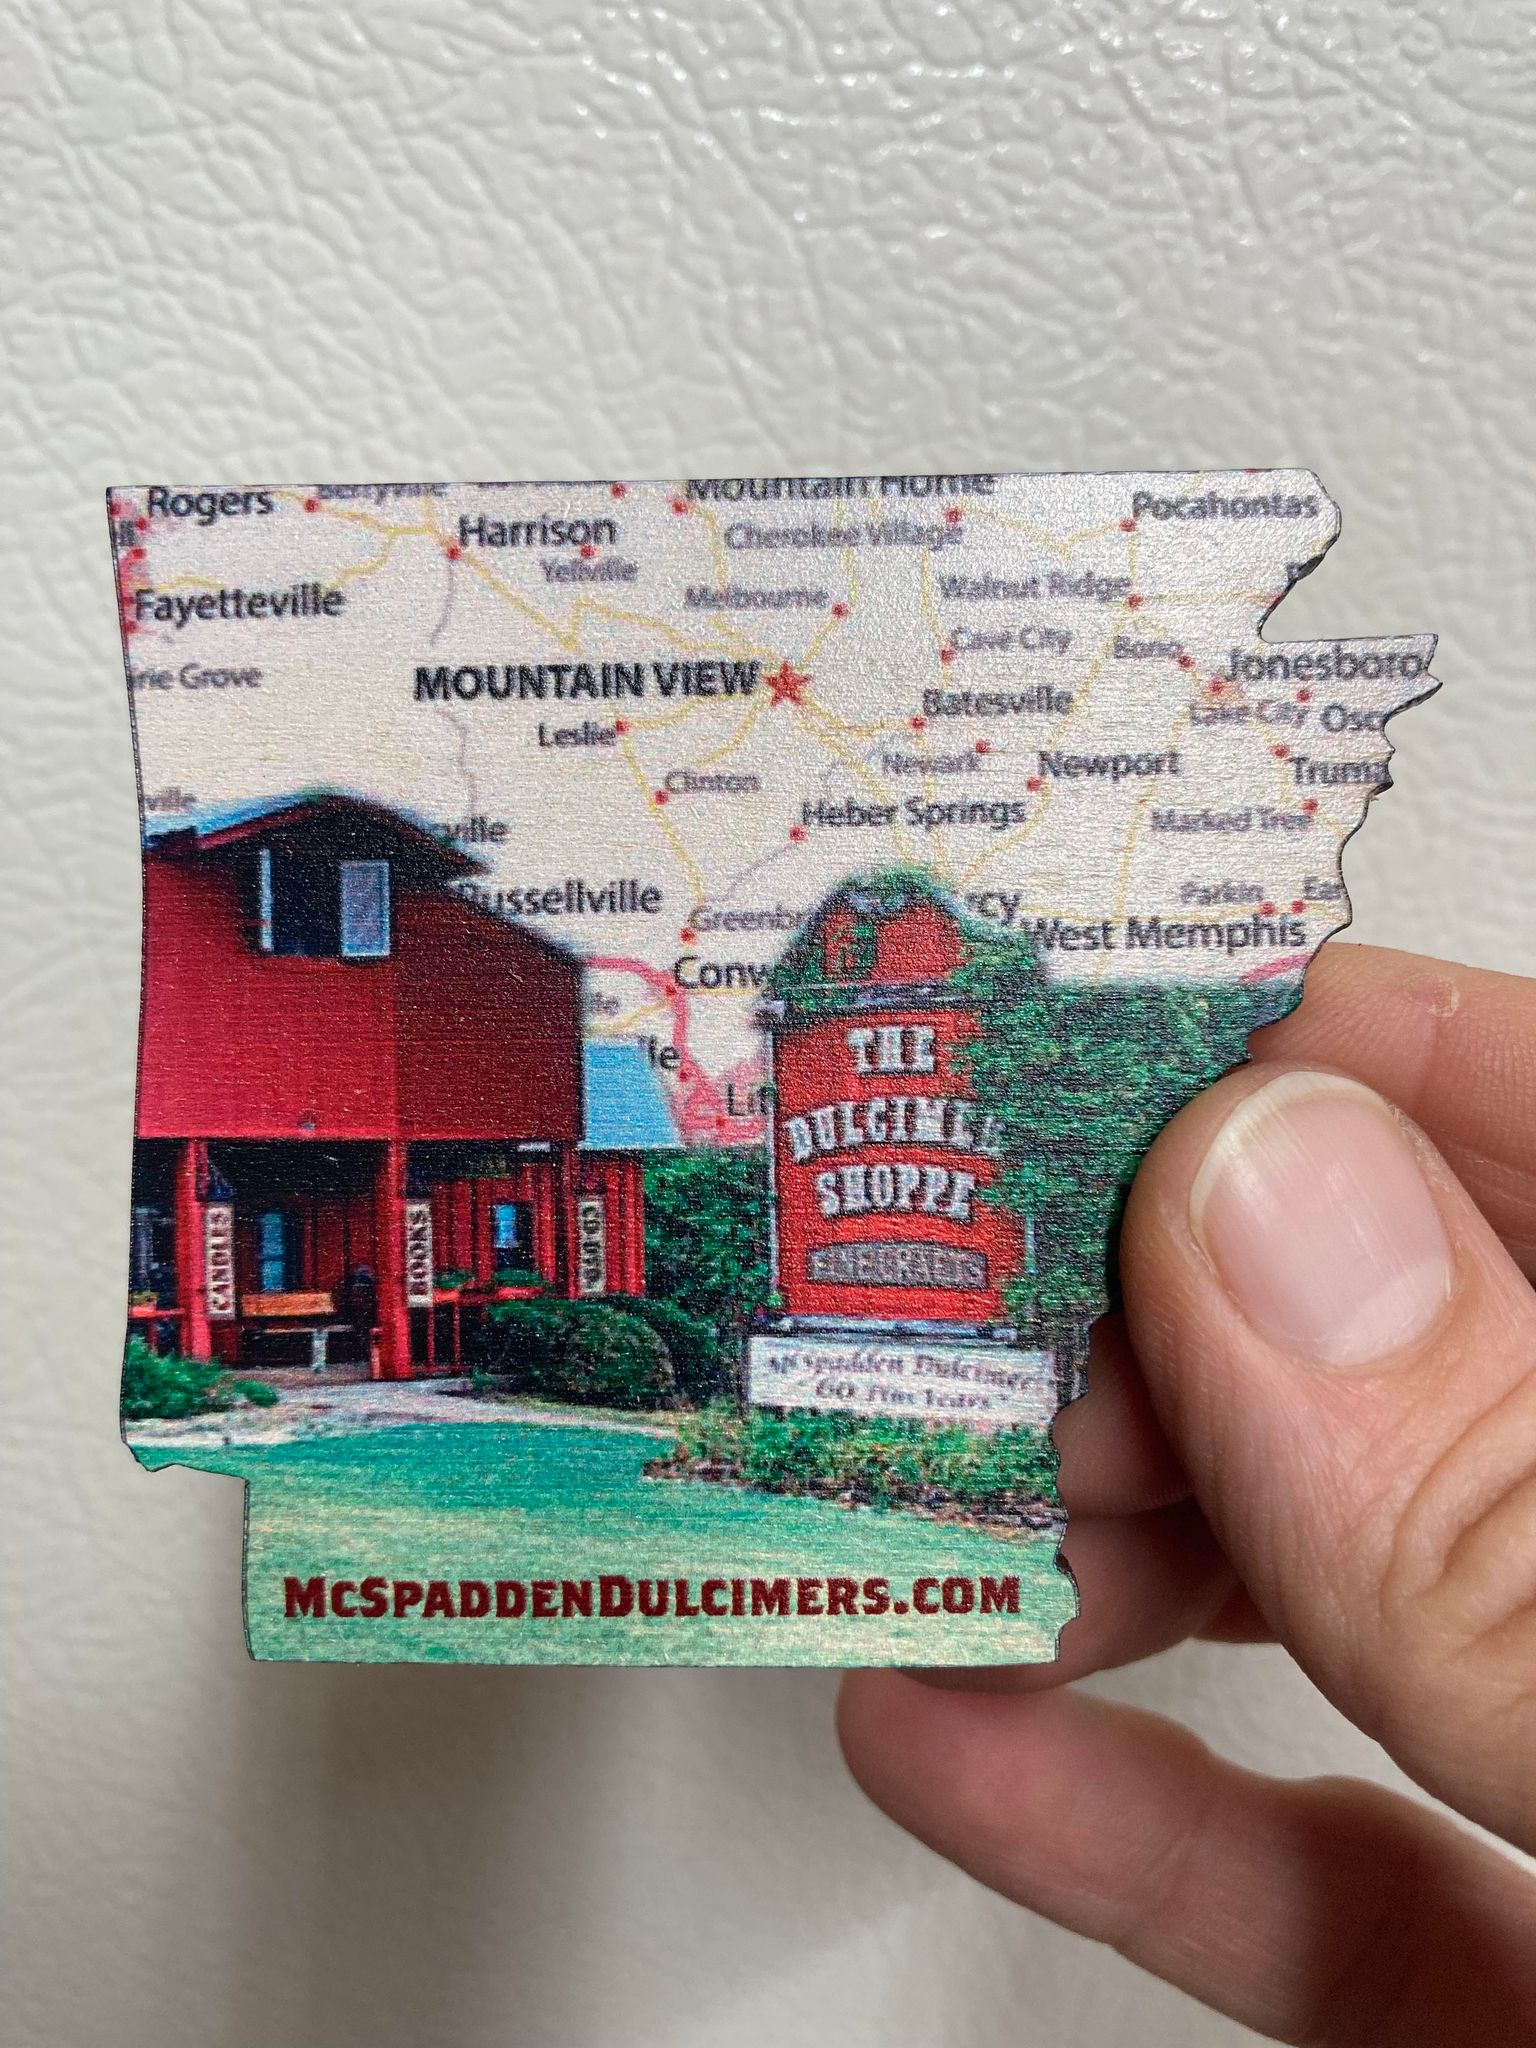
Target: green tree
1081,1079
706,1234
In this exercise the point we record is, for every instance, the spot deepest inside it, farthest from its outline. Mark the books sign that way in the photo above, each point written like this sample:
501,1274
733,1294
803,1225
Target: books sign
418,1254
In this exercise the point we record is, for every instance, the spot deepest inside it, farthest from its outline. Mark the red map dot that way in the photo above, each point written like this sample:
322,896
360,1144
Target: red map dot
946,655
983,746
1033,782
1186,661
952,515
1299,905
686,936
1127,526
621,725
1310,805
1217,686
1266,910
797,832
679,505
659,797
1303,696
1281,751
142,524
618,490
311,504
839,610
586,551
1135,601
453,551
917,724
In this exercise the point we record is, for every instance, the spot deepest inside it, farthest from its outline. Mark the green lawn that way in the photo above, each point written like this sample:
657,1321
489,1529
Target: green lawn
493,1501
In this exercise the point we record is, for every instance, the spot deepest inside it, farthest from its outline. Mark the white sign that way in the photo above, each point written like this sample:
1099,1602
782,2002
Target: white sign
591,1245
983,1386
219,1261
418,1254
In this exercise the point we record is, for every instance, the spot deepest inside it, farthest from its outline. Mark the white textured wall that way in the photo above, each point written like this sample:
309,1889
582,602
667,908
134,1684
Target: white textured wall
410,239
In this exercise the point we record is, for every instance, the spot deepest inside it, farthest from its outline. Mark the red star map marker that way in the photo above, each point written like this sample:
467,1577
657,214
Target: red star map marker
788,684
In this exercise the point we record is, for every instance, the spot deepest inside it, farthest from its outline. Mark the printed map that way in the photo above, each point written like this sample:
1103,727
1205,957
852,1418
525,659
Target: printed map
669,717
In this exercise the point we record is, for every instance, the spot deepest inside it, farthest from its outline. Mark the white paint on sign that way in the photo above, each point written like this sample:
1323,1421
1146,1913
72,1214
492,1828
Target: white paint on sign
982,1385
219,1261
418,1255
591,1245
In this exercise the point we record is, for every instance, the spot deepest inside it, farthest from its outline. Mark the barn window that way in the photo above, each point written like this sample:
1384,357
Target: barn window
364,909
314,907
277,1251
512,1236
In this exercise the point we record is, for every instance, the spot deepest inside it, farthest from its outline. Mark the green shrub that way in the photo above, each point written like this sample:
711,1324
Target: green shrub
170,1387
257,1392
886,1461
703,1365
588,1352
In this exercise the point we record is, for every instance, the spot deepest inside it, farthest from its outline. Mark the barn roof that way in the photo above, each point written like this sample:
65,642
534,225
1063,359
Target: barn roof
214,827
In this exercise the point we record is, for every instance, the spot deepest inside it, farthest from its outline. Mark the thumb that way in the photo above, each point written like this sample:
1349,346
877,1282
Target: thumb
1344,1357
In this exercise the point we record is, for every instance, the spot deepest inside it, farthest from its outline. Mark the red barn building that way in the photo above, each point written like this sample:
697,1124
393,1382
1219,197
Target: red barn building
360,1097
882,1157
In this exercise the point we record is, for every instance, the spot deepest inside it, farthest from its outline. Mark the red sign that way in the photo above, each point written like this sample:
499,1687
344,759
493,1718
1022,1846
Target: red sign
882,1159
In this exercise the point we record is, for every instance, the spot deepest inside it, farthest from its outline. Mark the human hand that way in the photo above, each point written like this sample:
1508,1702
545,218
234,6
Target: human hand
1315,1424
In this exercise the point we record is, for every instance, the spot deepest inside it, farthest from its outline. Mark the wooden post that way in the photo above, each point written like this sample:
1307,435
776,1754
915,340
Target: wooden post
191,1282
565,1219
393,1359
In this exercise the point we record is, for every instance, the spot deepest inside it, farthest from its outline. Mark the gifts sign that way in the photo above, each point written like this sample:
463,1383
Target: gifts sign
672,981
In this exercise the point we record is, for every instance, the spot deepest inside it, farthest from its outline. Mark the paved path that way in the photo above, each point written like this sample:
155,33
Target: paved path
348,1408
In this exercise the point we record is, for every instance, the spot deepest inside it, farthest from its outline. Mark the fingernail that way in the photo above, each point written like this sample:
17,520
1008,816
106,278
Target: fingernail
1312,1206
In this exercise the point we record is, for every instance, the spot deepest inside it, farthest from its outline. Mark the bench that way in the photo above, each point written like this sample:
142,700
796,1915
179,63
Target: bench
313,1315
